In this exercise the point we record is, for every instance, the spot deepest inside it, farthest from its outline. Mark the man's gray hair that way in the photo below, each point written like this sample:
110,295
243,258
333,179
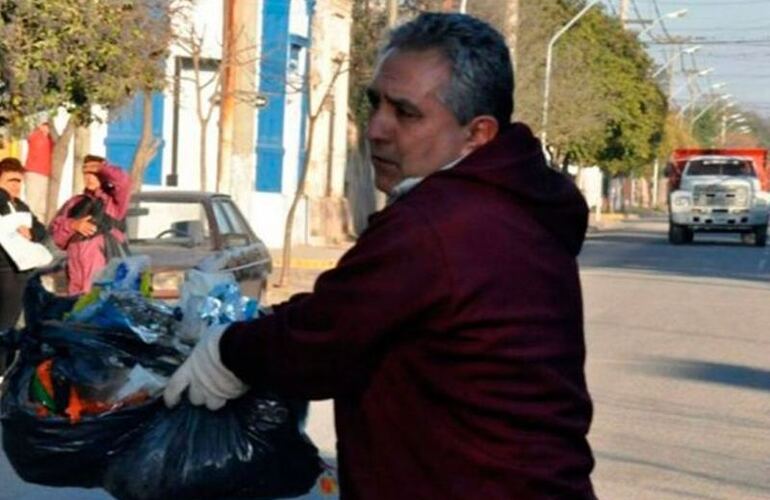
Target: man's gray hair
481,81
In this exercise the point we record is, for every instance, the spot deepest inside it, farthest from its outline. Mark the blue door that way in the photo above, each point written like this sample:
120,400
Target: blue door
272,83
125,130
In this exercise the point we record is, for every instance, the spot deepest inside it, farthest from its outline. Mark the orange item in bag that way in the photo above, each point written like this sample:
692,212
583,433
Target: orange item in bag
75,407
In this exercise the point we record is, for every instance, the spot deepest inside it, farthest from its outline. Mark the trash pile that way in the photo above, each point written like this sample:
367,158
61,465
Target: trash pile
82,406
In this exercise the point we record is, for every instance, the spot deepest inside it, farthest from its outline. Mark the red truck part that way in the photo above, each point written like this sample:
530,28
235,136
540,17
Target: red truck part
681,156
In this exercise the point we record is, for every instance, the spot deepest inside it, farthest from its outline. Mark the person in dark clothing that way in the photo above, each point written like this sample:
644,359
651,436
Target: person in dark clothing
450,336
12,280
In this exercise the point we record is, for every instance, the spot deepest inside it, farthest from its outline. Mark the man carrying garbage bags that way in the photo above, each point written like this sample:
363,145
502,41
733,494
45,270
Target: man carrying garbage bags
451,335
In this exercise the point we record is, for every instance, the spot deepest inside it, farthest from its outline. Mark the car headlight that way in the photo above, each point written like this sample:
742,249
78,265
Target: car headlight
681,201
166,284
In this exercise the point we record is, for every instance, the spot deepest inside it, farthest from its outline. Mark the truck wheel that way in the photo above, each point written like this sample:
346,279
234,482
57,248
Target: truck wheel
760,236
677,234
689,235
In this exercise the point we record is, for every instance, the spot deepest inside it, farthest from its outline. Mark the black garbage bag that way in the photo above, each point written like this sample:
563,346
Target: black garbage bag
40,305
253,447
52,450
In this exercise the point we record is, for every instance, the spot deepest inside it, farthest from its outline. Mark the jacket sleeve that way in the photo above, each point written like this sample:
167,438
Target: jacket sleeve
323,344
120,192
61,225
39,232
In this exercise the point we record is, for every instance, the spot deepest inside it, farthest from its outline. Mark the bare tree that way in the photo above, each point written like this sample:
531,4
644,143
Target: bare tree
207,78
340,67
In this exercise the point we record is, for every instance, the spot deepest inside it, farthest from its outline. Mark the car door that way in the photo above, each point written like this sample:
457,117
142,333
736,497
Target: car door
243,253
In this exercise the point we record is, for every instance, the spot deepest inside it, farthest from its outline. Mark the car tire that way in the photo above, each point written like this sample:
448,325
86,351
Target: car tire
760,236
678,234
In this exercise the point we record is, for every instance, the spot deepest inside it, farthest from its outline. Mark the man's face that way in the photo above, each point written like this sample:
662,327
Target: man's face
411,132
90,179
11,182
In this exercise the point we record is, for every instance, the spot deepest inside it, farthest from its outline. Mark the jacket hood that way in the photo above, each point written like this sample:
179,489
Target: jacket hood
514,162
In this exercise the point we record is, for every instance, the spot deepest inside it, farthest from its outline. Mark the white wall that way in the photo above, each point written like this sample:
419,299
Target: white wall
268,218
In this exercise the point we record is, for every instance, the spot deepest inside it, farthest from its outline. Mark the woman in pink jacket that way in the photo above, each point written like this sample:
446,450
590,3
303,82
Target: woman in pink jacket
91,225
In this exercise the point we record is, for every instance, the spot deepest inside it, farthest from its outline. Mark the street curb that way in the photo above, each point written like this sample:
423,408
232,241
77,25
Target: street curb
312,264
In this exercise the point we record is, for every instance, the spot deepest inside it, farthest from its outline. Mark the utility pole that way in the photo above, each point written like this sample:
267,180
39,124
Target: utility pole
236,144
623,12
723,135
227,98
392,13
512,31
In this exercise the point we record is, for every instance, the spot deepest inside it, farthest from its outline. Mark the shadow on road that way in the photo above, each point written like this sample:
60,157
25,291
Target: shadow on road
643,246
710,372
678,468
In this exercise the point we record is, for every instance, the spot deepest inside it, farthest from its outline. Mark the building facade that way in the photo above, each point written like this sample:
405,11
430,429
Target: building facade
300,47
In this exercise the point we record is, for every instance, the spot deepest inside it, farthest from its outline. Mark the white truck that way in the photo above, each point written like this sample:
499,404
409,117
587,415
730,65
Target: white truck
718,191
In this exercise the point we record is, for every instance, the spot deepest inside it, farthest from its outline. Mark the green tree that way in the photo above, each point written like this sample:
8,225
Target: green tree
58,54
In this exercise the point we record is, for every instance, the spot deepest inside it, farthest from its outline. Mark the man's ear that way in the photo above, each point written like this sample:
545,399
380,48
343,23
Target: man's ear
481,130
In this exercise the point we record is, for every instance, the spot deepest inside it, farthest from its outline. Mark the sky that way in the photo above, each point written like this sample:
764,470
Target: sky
734,36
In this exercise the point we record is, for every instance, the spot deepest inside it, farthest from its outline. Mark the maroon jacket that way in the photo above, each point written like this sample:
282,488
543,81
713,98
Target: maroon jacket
450,337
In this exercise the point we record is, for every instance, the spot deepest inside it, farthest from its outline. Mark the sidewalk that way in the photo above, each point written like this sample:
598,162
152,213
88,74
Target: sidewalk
307,262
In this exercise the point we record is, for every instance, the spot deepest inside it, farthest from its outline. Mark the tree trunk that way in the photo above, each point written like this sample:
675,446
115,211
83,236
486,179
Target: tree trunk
512,31
286,256
81,148
202,154
59,156
147,147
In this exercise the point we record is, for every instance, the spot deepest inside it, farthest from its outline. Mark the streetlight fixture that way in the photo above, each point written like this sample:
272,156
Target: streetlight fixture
549,65
670,15
694,100
687,50
696,74
721,97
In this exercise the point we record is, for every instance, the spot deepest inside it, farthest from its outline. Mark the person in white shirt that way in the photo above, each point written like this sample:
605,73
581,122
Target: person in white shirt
13,280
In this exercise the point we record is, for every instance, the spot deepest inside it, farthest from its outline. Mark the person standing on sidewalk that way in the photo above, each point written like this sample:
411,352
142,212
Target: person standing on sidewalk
91,226
12,280
38,168
450,336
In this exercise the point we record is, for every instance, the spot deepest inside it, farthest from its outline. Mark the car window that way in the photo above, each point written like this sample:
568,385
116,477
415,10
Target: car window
168,223
720,167
236,221
223,221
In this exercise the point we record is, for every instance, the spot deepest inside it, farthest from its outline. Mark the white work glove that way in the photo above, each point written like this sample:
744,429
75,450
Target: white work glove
204,376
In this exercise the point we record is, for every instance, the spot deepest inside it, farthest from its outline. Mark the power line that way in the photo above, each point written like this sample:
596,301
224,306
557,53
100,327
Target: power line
732,3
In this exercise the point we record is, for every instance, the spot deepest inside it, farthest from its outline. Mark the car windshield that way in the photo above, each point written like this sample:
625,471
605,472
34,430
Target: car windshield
720,167
168,223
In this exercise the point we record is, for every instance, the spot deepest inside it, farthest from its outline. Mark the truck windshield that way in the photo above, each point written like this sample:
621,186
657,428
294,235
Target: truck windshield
720,167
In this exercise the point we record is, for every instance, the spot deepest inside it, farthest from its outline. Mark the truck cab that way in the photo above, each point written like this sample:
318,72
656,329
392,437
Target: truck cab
719,193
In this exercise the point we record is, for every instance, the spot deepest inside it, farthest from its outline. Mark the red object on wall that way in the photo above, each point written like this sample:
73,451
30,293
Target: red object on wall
681,156
40,151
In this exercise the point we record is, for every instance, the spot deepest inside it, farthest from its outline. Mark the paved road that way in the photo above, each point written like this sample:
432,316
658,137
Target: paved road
679,350
679,344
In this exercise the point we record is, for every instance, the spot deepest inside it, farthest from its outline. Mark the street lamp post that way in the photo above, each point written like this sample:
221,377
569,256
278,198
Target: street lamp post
670,15
702,72
549,64
735,118
695,98
688,50
713,103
